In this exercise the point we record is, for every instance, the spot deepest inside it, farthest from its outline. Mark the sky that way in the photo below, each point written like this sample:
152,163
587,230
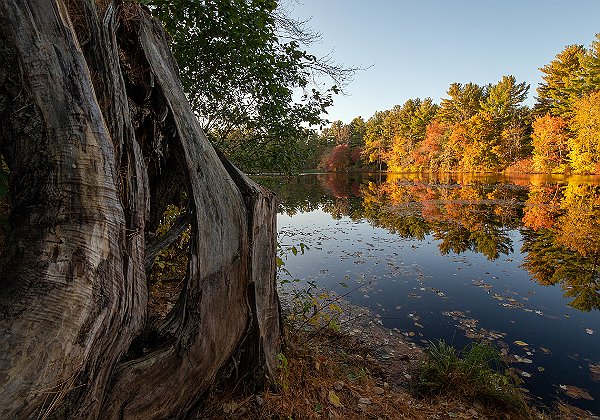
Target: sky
418,48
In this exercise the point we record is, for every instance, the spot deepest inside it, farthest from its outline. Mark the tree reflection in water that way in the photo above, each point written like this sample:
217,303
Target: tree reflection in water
561,240
559,222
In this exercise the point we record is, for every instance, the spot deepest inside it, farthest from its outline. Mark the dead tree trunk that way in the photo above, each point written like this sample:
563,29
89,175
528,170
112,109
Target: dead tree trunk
99,139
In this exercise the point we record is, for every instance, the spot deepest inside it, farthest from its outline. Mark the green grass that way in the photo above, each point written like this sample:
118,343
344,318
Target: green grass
476,373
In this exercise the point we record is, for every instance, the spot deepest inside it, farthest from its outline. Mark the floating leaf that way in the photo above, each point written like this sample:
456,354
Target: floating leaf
589,331
522,359
576,392
521,343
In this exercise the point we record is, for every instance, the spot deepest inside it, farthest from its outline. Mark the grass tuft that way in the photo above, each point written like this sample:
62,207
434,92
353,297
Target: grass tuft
477,373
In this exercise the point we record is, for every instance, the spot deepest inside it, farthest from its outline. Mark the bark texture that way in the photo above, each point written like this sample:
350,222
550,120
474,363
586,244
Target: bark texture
99,139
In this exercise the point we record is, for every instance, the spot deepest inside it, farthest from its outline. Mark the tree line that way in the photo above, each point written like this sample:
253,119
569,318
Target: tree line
481,128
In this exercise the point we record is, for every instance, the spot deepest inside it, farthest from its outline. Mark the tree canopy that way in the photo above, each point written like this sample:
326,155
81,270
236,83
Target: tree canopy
249,78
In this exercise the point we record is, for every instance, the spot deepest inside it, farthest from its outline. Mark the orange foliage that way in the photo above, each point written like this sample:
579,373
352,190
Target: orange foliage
550,143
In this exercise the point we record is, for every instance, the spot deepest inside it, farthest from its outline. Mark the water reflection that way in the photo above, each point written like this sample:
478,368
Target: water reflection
561,232
558,218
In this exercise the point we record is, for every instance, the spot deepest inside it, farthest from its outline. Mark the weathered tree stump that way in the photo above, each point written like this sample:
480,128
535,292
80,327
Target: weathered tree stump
99,139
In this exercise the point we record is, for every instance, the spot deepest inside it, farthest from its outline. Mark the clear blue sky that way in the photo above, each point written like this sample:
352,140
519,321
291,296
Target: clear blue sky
417,48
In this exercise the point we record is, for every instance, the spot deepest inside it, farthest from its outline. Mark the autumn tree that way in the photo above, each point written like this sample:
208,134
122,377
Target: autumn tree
585,144
406,126
477,143
339,159
550,144
430,155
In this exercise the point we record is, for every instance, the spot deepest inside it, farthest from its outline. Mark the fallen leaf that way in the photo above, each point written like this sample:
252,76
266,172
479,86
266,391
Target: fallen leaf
334,399
230,407
365,401
522,359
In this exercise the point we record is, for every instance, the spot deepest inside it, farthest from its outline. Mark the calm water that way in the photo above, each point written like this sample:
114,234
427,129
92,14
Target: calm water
461,258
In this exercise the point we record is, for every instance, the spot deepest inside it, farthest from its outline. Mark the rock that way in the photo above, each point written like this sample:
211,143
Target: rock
365,401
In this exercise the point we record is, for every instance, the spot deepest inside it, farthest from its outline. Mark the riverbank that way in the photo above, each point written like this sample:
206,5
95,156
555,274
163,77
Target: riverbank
362,371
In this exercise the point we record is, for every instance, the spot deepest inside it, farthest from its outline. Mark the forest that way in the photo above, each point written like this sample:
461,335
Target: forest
480,128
